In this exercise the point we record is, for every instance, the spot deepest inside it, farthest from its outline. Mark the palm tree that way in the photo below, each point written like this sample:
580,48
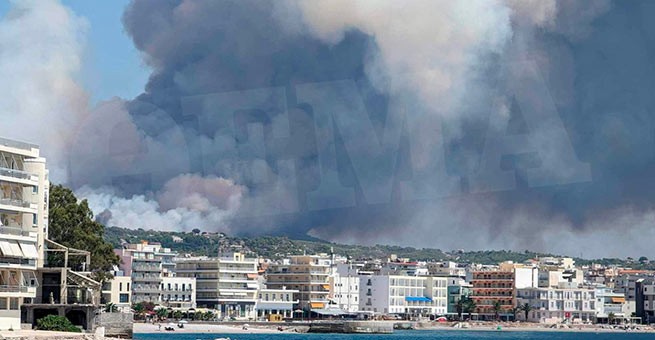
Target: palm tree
138,309
469,306
459,307
177,315
515,311
526,308
497,307
111,308
162,313
611,317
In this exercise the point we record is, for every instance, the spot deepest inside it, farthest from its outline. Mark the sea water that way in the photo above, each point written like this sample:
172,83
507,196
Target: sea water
407,335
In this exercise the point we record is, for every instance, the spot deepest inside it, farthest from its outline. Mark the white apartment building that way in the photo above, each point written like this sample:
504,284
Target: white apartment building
276,302
399,294
309,274
344,288
178,292
608,302
118,292
227,283
446,268
556,305
147,264
24,186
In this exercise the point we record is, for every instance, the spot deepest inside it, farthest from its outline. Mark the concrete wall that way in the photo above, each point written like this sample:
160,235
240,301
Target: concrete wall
116,324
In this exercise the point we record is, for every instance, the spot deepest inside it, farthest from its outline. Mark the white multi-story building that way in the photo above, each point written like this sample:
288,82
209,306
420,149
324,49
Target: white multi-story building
399,294
24,187
609,302
556,305
309,274
344,288
276,302
178,292
227,283
147,264
117,291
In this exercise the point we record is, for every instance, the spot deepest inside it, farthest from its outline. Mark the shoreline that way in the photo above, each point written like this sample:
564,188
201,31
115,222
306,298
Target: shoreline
259,328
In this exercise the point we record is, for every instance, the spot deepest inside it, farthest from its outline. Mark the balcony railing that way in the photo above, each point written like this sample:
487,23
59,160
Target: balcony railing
14,202
13,231
17,261
20,174
13,289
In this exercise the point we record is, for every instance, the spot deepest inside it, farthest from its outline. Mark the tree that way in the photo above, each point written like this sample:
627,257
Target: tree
196,231
72,225
56,323
643,259
177,315
611,318
139,309
469,305
497,307
111,308
162,313
526,308
459,307
515,312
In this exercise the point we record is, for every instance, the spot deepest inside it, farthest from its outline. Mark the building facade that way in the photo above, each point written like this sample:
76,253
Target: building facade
558,305
344,288
147,264
405,295
308,274
178,292
275,302
118,291
227,283
24,186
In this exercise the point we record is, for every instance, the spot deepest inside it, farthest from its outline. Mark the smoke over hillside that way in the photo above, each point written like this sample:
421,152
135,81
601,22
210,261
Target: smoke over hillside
468,124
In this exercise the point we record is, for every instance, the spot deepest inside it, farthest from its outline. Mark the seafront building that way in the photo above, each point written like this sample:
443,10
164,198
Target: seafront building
117,291
147,264
566,304
401,294
24,186
178,293
273,303
308,274
227,283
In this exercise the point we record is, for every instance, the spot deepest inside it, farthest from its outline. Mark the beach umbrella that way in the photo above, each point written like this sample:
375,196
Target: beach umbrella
442,319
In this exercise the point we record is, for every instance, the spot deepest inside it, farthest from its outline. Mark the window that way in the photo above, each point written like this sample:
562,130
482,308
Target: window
123,298
13,303
120,286
128,286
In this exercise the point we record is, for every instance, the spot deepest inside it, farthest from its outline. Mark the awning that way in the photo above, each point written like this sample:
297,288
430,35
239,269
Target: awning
6,248
29,250
317,305
417,299
252,276
618,299
329,311
15,248
326,287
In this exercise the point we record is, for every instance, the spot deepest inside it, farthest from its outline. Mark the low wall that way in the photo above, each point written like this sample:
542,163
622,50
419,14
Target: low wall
117,325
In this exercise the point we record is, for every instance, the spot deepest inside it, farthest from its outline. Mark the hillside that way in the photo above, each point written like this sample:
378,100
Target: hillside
276,247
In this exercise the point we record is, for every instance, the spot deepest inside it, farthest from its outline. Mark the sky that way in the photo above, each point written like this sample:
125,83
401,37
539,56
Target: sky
495,124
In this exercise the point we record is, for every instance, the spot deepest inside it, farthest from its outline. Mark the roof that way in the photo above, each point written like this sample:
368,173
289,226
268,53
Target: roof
417,299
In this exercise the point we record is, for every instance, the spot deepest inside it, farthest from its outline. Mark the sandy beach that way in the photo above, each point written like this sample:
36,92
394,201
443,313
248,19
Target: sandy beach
218,328
291,328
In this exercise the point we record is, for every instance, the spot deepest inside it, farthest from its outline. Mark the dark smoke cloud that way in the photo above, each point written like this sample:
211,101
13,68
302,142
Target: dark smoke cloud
456,78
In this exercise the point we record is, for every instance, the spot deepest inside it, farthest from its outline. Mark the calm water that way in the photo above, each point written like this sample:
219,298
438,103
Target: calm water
407,335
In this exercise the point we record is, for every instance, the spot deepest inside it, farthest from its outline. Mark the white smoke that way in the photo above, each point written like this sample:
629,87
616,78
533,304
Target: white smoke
429,48
42,43
184,203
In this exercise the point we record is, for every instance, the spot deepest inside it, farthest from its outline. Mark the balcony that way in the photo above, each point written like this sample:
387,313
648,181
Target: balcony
16,262
145,288
16,231
145,268
18,205
16,289
22,176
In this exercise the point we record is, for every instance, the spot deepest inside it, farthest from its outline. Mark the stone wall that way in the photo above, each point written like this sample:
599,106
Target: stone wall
116,324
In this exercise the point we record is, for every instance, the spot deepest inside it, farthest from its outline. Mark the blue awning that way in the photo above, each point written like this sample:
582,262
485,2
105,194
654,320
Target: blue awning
417,299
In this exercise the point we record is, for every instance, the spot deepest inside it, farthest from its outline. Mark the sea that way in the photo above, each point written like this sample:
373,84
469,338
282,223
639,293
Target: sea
409,335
